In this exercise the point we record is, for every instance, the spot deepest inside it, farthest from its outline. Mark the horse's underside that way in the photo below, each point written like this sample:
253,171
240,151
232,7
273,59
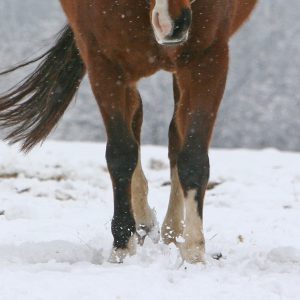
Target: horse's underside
120,42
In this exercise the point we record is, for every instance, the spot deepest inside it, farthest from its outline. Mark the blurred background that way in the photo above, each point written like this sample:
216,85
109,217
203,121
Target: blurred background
261,107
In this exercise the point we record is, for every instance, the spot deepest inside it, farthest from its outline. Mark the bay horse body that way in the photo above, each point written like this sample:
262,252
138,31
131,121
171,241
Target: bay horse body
117,43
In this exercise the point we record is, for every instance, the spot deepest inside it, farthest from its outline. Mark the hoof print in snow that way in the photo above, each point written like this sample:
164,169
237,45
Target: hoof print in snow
157,165
287,206
63,196
241,239
57,178
217,256
22,191
8,175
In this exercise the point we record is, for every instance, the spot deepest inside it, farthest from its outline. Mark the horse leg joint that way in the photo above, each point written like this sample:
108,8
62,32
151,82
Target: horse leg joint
193,169
122,158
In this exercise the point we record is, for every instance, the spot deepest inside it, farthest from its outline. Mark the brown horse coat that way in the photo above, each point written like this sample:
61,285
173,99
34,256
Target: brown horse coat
120,42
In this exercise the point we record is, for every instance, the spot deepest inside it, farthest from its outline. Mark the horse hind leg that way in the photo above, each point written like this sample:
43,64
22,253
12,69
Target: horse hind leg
145,219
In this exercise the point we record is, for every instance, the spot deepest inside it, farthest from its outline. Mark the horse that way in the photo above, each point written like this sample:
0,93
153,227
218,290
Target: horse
117,43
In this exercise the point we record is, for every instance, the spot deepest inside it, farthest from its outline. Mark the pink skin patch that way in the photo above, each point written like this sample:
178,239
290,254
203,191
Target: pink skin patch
163,26
161,20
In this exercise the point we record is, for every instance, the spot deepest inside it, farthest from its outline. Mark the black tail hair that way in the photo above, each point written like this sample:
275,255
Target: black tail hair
34,106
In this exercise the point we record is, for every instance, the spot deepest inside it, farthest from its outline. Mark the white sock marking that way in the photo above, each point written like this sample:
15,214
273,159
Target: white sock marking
193,247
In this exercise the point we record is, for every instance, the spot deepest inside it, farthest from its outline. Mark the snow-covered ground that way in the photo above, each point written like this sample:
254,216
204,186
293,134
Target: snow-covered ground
55,212
262,94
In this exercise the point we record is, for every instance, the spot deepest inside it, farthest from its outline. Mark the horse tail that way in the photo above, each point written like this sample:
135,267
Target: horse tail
34,106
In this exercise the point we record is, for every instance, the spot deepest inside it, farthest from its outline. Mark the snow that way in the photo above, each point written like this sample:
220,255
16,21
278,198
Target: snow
262,95
56,208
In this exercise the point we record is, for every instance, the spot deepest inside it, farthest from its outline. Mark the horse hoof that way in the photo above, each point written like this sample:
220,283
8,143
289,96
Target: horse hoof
168,236
171,233
192,253
152,231
118,255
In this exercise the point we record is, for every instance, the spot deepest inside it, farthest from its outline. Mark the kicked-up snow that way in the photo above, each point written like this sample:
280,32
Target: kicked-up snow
55,212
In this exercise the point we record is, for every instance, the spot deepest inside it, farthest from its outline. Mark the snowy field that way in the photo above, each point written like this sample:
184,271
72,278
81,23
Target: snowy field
262,94
56,208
